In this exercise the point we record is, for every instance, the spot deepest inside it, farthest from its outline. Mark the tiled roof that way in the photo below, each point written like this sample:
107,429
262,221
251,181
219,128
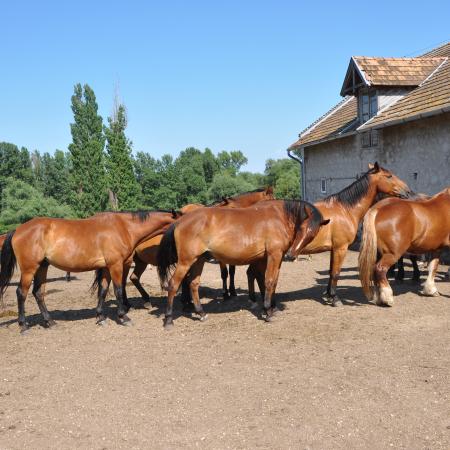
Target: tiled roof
337,121
432,96
396,71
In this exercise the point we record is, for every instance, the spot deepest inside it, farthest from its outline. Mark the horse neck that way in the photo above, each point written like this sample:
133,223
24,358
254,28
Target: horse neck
359,209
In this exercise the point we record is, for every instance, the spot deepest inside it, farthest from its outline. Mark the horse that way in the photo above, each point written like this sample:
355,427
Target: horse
103,241
346,210
264,231
146,252
2,240
396,226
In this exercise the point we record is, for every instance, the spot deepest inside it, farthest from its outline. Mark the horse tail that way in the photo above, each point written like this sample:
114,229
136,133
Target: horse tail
368,253
167,255
97,280
7,263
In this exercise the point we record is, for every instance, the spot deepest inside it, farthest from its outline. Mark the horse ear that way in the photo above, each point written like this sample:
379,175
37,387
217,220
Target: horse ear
176,214
269,190
324,222
375,167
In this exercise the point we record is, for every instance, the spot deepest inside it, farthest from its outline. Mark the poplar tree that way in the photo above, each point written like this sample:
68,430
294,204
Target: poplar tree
124,190
87,175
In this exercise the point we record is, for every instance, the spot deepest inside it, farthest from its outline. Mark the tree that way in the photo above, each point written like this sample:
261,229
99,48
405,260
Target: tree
21,202
14,163
284,175
123,187
224,185
231,162
87,175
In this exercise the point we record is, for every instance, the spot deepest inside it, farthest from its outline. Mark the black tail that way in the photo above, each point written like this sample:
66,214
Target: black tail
7,263
167,255
97,281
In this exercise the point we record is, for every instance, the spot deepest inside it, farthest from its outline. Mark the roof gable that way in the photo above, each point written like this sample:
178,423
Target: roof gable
388,72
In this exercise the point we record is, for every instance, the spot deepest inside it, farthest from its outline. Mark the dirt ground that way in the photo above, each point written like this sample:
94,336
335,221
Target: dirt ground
318,377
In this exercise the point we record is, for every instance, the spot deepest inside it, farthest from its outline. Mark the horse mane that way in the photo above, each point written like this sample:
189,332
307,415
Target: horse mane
141,214
295,210
352,194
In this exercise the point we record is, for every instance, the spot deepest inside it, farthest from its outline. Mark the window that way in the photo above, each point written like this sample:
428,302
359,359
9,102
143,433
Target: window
369,139
368,105
323,185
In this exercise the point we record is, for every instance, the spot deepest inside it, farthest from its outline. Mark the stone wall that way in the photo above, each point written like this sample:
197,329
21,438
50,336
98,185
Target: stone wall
418,152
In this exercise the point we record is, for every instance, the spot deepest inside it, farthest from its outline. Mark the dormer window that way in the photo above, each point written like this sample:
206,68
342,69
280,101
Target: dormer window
368,104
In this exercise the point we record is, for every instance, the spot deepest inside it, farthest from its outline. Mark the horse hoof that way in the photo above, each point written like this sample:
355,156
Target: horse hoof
336,302
168,326
276,312
268,319
233,293
204,318
50,324
102,322
125,321
148,304
24,330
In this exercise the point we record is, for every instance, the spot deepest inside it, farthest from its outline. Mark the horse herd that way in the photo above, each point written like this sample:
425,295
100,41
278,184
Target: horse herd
250,229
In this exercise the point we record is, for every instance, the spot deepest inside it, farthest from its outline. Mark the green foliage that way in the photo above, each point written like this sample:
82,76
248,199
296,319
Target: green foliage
124,190
14,163
284,175
87,174
231,162
224,185
21,202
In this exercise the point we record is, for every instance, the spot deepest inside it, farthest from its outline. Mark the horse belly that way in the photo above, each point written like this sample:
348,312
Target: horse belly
71,258
236,254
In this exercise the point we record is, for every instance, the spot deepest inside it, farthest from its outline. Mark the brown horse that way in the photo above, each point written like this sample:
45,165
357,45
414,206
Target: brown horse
2,240
104,241
394,227
146,252
345,211
265,231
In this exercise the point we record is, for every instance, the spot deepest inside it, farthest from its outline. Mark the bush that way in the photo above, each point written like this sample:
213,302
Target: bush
21,202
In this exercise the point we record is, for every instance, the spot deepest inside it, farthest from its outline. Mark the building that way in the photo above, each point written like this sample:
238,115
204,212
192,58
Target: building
395,111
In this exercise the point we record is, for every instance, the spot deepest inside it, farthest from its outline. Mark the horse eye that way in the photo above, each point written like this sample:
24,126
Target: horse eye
389,176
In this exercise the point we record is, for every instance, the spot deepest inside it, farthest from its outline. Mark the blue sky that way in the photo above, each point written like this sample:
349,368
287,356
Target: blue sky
234,75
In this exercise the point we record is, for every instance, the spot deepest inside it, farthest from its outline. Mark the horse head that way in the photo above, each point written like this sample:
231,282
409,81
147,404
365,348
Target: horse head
388,183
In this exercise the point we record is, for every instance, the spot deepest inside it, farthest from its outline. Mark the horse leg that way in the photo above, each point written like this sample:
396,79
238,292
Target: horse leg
186,299
400,270
40,279
103,287
116,272
68,276
416,270
126,302
135,277
224,276
271,279
174,283
251,277
232,271
195,274
336,259
384,295
429,288
22,292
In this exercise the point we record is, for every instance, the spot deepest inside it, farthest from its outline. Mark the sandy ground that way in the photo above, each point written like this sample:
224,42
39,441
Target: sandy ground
318,377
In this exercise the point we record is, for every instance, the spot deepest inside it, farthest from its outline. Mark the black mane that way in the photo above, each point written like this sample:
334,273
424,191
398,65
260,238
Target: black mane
351,195
295,210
